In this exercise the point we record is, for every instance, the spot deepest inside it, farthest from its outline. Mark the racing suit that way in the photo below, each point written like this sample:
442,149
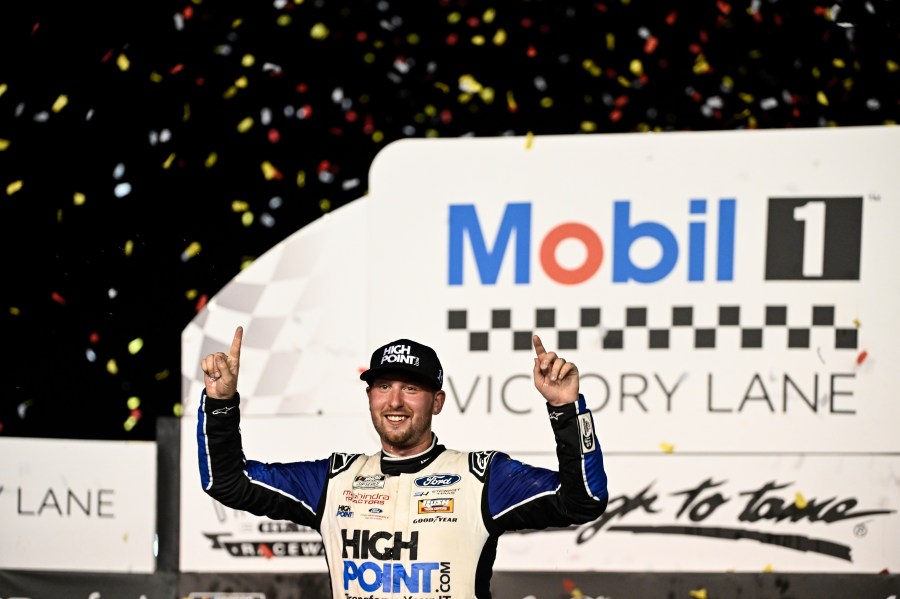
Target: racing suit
423,527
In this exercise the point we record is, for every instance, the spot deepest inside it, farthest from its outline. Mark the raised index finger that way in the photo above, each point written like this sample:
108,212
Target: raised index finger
538,346
236,343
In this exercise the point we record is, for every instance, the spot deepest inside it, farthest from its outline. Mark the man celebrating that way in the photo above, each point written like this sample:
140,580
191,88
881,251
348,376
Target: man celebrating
415,519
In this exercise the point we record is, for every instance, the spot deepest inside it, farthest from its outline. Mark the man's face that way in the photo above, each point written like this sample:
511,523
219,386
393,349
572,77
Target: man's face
401,409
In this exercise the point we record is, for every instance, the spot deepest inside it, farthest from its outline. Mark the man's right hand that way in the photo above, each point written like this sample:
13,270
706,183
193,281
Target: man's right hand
220,370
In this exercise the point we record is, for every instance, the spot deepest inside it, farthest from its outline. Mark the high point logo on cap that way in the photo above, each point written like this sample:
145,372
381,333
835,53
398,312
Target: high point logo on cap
399,354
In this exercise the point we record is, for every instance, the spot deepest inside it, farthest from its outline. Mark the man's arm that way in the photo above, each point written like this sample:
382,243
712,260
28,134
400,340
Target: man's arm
521,496
280,491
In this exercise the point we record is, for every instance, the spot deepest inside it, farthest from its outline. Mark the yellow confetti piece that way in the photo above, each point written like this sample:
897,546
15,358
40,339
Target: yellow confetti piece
14,187
478,40
892,66
821,98
623,81
155,77
838,63
79,198
245,263
112,367
588,126
546,102
283,20
168,161
192,249
4,143
667,447
122,62
178,410
245,125
768,568
133,402
130,423
319,31
511,101
191,294
15,311
610,41
186,113
369,57
162,375
59,215
469,84
857,322
129,248
698,593
3,88
489,15
700,65
230,92
816,72
324,204
239,206
529,140
378,136
747,98
454,17
800,500
211,160
487,95
636,67
301,179
135,345
241,83
269,171
413,39
60,103
247,60
499,37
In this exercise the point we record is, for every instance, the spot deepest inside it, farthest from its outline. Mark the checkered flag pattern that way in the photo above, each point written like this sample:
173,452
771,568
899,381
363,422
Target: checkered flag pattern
681,318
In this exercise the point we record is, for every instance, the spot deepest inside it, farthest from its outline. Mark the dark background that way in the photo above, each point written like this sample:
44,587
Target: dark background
95,294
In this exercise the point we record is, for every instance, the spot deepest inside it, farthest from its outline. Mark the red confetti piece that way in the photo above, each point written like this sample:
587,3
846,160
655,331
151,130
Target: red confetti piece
695,48
526,22
861,357
274,136
473,22
266,551
107,56
188,12
620,101
650,45
58,298
351,116
201,303
446,116
136,414
531,52
671,18
704,37
568,585
451,39
35,28
724,7
601,7
369,126
362,36
302,88
176,69
94,337
615,116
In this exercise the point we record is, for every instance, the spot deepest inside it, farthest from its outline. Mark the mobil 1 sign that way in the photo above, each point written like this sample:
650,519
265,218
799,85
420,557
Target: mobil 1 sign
719,291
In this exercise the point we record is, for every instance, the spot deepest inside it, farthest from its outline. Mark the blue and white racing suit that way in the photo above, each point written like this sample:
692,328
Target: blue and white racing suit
423,527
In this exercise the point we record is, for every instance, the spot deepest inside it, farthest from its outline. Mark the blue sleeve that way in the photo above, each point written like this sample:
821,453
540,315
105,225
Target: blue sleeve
282,491
521,496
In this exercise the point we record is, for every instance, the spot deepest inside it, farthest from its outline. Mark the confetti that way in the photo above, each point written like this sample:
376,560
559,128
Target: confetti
698,593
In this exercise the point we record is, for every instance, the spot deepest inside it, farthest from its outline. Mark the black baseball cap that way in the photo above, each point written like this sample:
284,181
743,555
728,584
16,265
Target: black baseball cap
405,355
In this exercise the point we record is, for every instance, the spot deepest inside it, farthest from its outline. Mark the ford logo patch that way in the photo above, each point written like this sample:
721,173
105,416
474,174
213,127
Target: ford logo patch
437,480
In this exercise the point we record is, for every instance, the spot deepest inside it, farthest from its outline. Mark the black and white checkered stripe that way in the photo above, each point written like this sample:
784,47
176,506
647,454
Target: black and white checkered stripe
704,336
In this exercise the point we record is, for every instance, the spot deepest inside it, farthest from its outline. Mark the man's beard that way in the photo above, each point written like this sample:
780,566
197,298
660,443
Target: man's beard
407,437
